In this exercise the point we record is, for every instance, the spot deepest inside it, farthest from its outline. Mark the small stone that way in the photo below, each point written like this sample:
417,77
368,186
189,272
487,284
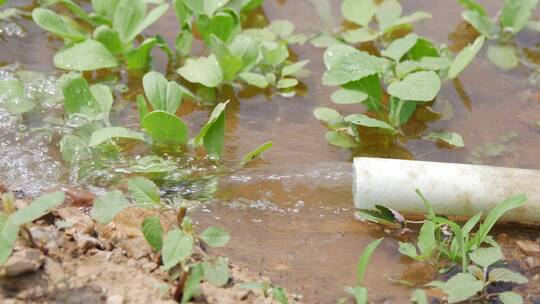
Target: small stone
529,247
136,247
81,222
115,299
23,261
149,267
86,242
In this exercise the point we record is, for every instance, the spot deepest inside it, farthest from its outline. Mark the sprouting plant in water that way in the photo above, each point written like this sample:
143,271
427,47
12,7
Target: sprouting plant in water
105,37
474,284
387,15
359,292
13,222
269,290
512,19
258,57
411,69
444,243
176,245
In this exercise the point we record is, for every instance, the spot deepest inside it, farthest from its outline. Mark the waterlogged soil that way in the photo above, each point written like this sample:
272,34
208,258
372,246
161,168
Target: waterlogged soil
290,214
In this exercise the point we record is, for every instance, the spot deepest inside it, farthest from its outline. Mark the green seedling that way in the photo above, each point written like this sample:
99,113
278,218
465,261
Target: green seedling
411,70
13,222
269,290
177,245
359,292
472,285
113,25
512,19
363,14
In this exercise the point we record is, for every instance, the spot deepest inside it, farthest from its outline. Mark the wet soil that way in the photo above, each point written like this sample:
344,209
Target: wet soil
290,215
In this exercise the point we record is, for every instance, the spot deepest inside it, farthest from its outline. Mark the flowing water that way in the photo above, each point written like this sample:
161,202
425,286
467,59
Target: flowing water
290,214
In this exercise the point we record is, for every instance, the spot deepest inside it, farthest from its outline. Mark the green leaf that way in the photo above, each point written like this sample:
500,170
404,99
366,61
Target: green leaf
360,35
341,140
130,18
328,116
426,240
503,56
212,134
102,135
293,69
409,250
516,13
364,260
419,86
494,215
461,287
482,23
78,99
388,12
109,38
426,63
108,206
139,58
8,235
400,47
207,7
422,48
203,70
143,191
276,55
165,128
58,25
103,95
37,208
217,273
406,21
230,64
344,96
14,97
486,257
191,288
215,237
450,138
465,57
153,232
279,294
371,85
360,294
345,64
254,79
473,6
88,55
150,19
162,95
282,28
366,121
256,152
177,246
509,297
505,275
105,7
286,83
225,25
358,11
419,297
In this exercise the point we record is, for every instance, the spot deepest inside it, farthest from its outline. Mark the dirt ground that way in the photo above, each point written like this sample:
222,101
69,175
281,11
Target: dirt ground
85,262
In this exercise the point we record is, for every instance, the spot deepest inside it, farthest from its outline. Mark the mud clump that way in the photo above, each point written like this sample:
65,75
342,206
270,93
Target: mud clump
111,264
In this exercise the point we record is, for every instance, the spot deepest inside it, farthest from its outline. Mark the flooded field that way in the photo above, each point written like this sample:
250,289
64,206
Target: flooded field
290,213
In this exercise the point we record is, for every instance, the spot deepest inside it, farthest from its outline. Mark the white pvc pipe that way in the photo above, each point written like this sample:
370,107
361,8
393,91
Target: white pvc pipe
452,189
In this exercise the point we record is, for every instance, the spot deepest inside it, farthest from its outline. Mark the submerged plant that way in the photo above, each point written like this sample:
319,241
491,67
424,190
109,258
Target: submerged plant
175,246
387,15
359,292
258,57
411,69
512,19
114,27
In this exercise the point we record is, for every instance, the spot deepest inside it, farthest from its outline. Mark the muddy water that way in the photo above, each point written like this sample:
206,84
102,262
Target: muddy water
290,214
